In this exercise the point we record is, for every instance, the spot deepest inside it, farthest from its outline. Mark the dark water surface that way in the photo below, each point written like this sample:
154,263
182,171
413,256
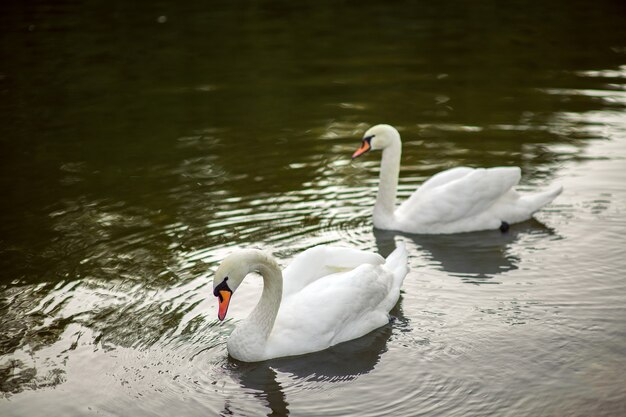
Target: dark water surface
140,144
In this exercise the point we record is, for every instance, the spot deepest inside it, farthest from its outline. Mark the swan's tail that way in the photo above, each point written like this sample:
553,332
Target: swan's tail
398,263
535,201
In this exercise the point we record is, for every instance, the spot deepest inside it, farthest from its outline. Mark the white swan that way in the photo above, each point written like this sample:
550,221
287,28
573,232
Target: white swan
457,200
329,295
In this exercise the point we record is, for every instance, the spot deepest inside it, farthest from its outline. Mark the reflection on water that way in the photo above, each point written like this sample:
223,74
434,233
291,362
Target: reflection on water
261,379
475,257
340,363
140,145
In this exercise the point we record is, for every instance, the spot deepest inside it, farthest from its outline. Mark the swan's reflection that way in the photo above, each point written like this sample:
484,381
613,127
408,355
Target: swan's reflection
476,256
342,362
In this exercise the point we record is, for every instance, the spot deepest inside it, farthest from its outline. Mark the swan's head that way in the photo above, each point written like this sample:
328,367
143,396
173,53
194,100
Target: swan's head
377,138
227,279
231,273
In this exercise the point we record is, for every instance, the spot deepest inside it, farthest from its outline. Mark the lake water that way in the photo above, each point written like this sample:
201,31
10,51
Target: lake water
139,145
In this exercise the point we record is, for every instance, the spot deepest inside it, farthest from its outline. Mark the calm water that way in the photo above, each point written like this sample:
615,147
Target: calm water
141,144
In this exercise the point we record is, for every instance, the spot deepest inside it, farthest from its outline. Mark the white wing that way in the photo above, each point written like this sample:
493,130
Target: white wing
459,193
330,310
320,261
442,178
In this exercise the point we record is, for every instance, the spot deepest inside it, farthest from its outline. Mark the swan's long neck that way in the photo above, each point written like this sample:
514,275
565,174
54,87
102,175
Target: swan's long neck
264,314
388,185
261,319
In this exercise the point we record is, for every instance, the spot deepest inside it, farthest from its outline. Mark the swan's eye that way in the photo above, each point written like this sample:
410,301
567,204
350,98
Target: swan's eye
368,139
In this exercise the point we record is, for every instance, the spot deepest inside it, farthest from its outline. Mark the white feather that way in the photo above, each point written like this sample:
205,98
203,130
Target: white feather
458,200
331,295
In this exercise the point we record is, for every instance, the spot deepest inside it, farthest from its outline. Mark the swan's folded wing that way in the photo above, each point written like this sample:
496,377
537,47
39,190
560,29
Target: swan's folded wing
437,180
331,310
320,261
444,177
462,197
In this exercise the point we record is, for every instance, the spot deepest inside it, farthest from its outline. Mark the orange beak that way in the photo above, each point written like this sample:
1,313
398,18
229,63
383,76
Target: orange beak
364,148
224,300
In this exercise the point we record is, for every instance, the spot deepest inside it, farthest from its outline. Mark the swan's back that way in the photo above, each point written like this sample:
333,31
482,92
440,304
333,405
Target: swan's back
340,306
459,193
321,261
441,178
466,199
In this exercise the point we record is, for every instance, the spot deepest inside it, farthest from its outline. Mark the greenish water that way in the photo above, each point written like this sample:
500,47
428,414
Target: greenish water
140,144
